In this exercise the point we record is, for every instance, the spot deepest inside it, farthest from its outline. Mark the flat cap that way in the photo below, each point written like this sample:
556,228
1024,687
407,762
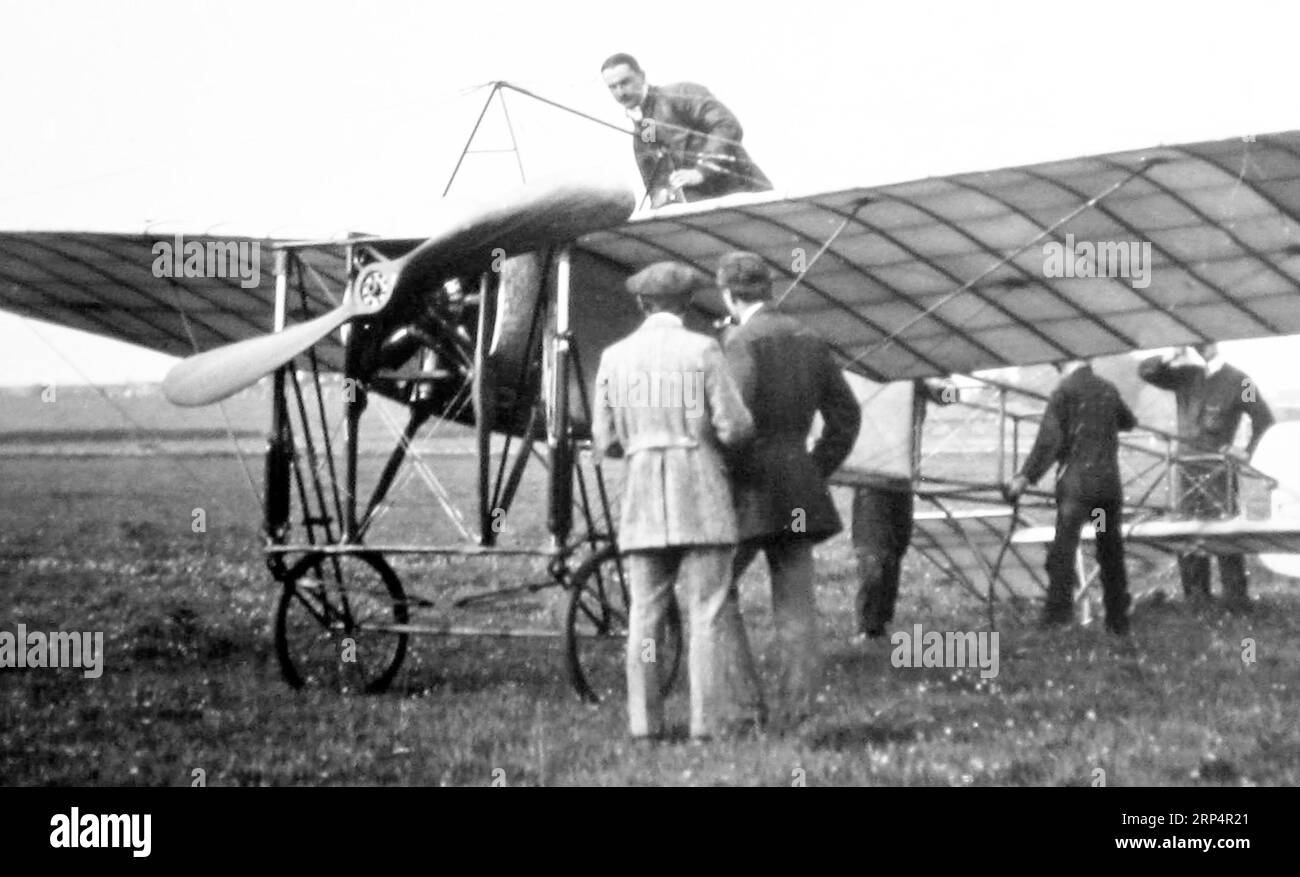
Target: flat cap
744,272
667,278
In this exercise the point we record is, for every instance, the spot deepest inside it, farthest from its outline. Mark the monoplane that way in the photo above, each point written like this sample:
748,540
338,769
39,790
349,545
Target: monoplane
497,319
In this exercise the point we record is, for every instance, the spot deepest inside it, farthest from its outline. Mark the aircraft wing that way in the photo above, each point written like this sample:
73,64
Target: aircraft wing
983,270
950,274
112,284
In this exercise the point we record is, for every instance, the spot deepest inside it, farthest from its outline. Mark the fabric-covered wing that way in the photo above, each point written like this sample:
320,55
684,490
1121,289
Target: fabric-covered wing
954,274
106,284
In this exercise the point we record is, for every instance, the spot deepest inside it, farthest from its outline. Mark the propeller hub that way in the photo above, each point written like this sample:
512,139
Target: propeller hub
373,288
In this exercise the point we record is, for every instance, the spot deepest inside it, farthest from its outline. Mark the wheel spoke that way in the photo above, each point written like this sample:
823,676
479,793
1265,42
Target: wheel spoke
324,614
596,630
341,639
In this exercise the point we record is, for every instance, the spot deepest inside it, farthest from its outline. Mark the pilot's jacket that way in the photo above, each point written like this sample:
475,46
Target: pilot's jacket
666,401
684,126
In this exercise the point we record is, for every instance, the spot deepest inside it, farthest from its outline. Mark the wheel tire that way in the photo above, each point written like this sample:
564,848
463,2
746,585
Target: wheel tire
328,600
595,630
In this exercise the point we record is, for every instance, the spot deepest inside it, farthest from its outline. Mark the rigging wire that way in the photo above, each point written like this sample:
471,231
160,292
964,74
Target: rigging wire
221,406
138,427
889,339
749,178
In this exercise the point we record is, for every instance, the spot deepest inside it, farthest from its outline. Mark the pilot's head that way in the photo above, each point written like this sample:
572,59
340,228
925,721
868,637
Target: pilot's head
625,79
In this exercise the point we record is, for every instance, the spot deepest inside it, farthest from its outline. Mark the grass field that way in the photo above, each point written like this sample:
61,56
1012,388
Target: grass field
104,543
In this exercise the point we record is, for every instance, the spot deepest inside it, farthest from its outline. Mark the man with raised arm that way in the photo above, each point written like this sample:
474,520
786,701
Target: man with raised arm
1211,397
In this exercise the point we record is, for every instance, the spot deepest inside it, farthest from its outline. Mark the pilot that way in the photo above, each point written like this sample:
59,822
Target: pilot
668,404
687,144
1211,397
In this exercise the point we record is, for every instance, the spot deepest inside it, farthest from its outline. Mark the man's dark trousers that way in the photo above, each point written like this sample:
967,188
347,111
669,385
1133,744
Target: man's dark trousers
1207,491
1073,513
882,530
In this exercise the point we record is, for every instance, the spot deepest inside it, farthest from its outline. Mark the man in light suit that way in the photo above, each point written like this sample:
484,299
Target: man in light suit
667,403
783,504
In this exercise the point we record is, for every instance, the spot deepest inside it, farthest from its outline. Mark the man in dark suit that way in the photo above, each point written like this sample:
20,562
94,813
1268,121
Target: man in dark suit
687,144
1211,397
1080,433
783,504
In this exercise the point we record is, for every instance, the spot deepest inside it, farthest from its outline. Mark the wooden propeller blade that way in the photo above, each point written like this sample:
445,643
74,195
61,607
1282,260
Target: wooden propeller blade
469,236
212,376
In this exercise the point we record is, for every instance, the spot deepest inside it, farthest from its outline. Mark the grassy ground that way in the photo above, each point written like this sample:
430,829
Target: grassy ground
191,681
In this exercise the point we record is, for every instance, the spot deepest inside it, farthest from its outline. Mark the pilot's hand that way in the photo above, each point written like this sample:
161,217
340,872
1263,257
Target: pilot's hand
661,196
1012,490
685,177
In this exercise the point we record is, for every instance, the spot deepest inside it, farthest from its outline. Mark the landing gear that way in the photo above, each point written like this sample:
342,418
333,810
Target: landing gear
596,630
338,623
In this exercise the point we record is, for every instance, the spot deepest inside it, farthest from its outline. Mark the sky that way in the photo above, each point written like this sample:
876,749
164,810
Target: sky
287,118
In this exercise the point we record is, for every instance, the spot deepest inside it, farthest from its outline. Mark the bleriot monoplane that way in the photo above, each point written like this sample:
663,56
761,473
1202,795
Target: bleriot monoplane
497,320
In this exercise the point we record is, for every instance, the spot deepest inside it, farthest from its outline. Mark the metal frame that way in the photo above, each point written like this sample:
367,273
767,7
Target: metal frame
306,435
967,507
314,514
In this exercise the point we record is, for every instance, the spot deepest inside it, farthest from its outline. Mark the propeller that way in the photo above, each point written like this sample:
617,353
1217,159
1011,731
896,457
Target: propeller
469,236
